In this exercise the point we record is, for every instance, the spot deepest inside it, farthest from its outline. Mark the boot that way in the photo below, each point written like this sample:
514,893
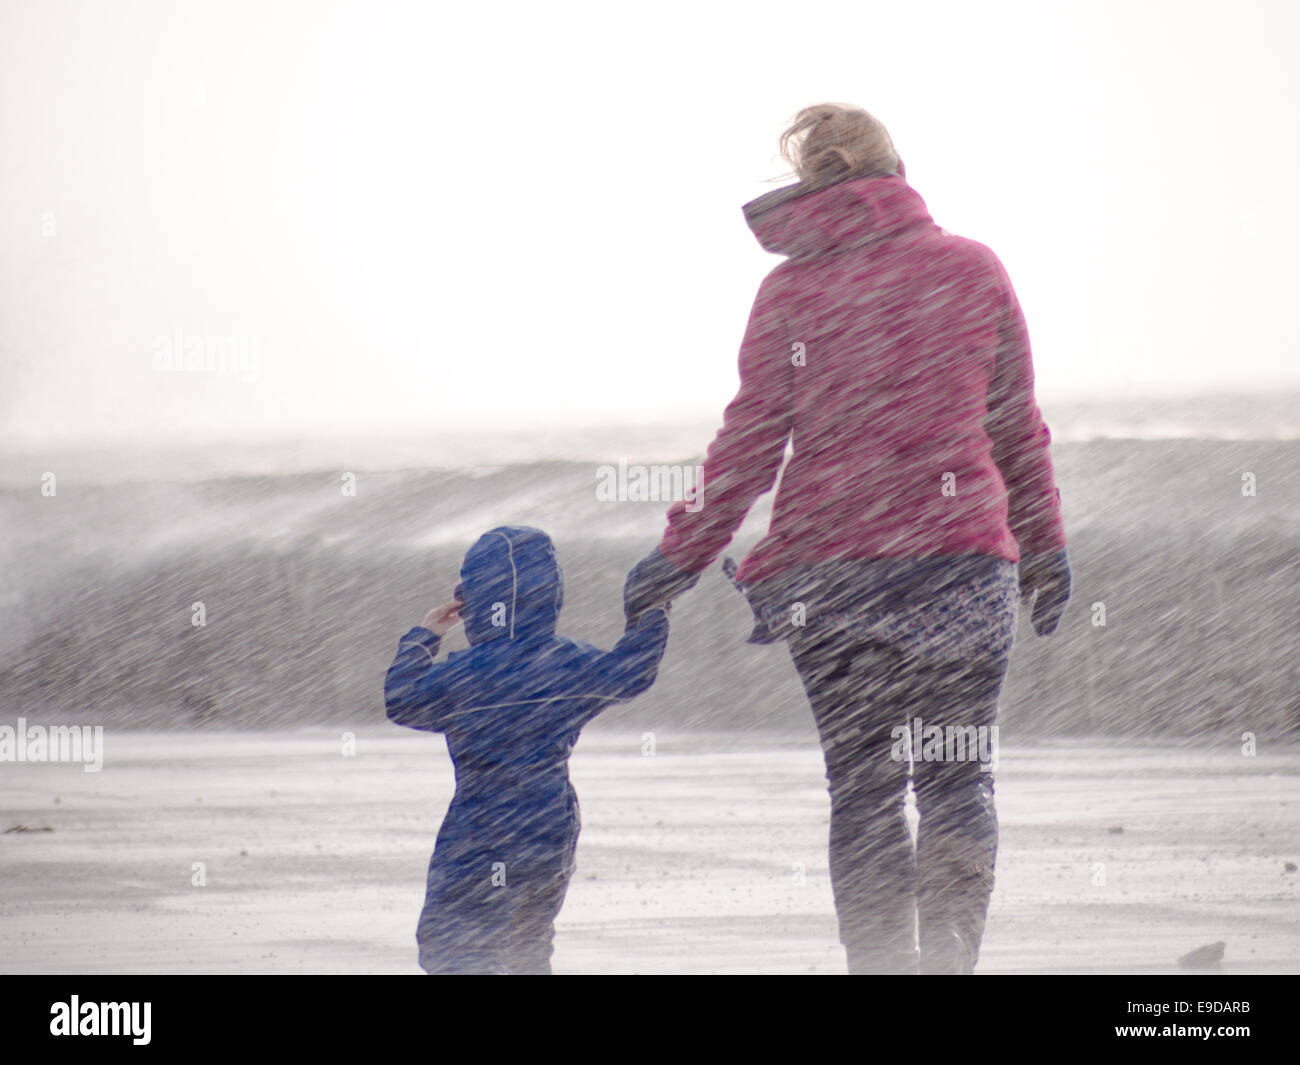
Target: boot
952,904
947,955
866,961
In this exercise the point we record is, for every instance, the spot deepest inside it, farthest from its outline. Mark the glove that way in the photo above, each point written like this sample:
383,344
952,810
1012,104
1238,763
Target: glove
1049,577
654,581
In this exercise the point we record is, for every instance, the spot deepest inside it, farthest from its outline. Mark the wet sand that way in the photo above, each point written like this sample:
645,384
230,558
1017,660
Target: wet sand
708,857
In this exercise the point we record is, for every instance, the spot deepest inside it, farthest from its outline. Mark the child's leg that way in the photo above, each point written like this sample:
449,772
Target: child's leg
538,898
463,925
531,935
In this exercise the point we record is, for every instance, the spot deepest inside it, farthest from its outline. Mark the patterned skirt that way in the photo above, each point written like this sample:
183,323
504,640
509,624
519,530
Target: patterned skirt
947,609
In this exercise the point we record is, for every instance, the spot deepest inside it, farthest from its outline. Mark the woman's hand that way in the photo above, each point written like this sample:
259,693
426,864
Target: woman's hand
1049,577
441,619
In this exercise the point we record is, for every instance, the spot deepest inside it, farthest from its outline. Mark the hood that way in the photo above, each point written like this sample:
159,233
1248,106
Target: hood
511,585
799,221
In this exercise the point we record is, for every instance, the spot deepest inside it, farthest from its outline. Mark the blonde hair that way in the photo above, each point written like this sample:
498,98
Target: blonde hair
831,142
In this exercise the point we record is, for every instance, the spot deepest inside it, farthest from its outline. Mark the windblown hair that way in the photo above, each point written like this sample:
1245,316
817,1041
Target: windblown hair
831,142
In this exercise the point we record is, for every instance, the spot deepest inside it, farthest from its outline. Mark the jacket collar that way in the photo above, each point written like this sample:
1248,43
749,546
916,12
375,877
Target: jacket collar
801,221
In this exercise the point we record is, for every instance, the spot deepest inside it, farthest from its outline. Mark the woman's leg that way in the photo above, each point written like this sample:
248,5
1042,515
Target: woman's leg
859,695
957,837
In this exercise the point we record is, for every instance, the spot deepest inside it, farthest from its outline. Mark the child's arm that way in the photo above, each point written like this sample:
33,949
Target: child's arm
418,688
630,668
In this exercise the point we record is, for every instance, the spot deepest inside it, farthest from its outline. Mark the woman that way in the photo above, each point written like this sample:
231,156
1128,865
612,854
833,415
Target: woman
894,358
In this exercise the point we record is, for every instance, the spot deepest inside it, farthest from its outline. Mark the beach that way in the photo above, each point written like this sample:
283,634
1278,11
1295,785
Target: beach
708,856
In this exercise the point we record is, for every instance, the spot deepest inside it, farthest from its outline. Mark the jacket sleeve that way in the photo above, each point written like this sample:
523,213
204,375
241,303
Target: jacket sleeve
1020,437
747,452
631,667
418,688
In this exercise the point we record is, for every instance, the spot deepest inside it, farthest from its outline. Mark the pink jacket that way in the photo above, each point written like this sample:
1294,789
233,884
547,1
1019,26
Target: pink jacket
896,358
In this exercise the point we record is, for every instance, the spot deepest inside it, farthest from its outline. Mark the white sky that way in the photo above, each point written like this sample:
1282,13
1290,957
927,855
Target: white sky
436,216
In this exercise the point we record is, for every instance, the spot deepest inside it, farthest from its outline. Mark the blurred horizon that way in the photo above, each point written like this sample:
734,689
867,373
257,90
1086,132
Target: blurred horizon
1220,416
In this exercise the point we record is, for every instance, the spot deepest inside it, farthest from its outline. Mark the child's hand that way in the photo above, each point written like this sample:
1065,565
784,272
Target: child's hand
442,618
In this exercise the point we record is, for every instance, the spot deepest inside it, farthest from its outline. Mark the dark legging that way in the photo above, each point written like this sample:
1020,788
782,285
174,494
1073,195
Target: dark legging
885,889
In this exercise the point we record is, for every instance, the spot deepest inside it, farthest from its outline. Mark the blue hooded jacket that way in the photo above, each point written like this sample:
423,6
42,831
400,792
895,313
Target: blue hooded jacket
513,704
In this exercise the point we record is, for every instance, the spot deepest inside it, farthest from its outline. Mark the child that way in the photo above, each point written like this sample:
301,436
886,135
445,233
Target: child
511,707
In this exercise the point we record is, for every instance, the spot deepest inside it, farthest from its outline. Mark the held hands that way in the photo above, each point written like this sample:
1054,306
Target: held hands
653,582
1049,577
441,619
